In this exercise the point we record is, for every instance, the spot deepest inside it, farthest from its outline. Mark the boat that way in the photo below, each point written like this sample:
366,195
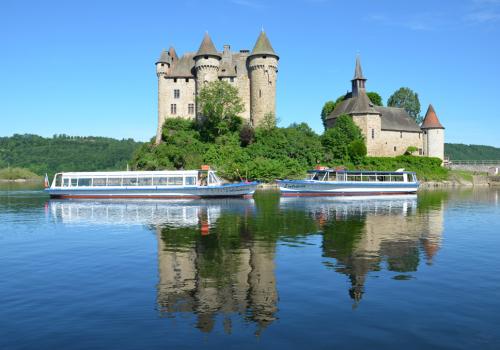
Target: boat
178,184
339,182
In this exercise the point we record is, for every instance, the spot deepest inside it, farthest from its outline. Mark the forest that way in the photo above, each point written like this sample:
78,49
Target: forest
42,155
458,151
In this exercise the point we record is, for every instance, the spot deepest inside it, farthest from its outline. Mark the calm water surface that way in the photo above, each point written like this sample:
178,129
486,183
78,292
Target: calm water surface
269,272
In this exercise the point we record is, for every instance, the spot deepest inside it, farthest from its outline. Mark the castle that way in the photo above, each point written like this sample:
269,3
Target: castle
388,131
252,73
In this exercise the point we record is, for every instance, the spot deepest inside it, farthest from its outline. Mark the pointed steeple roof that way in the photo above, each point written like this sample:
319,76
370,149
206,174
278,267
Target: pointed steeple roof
358,72
164,57
431,120
263,46
207,47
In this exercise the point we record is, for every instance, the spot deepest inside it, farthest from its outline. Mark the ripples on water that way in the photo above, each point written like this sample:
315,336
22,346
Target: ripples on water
266,272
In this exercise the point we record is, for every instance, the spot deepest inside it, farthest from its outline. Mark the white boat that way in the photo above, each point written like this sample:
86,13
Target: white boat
332,182
178,184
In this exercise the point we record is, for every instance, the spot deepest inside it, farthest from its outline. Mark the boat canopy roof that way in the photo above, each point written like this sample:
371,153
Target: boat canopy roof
359,171
134,173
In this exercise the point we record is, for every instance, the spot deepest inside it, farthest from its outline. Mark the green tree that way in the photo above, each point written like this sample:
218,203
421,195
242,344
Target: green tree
407,99
357,150
328,108
336,140
220,107
375,98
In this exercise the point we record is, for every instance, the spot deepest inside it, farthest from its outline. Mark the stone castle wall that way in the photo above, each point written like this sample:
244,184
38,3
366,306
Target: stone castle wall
386,143
263,74
434,143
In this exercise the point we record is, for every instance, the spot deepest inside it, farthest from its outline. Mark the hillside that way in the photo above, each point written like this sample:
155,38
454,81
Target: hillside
458,151
65,153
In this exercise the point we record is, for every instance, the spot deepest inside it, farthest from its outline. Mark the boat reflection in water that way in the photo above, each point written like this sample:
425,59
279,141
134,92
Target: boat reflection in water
361,235
216,258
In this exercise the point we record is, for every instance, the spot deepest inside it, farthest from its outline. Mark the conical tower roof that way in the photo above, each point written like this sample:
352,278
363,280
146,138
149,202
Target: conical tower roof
207,47
164,57
263,46
431,120
358,72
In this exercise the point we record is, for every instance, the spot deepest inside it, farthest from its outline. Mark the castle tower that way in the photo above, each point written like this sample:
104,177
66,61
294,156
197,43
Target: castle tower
263,69
359,81
163,66
433,135
207,63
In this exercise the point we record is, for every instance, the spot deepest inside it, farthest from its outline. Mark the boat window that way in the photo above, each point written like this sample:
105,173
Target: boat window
58,180
74,182
160,181
65,182
114,181
84,182
397,178
190,180
130,181
145,181
99,181
212,178
175,181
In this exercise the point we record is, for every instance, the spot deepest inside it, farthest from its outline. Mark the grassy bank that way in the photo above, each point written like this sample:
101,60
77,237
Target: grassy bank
18,174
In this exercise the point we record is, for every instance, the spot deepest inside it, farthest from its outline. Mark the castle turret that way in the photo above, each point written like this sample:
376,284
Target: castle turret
163,67
433,134
359,81
263,69
207,63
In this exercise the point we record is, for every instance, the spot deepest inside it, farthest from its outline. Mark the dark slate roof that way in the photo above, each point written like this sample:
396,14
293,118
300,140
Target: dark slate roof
263,46
164,57
431,120
360,104
358,72
183,67
397,119
207,47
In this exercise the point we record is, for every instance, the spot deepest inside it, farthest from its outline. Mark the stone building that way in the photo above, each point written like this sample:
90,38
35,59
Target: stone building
180,79
388,131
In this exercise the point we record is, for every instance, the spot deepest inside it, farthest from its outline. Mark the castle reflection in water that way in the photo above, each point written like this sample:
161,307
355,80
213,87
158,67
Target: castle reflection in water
216,258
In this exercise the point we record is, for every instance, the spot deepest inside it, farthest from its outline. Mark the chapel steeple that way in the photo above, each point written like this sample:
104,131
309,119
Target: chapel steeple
358,82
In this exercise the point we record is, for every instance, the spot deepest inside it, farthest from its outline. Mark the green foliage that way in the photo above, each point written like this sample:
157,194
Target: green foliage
375,98
410,150
458,151
408,99
336,140
65,153
18,173
357,150
220,107
328,108
427,169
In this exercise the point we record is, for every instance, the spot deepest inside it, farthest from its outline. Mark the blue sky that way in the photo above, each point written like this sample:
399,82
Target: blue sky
87,67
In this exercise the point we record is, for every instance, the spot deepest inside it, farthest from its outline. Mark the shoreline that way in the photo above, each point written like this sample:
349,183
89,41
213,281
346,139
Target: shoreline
21,180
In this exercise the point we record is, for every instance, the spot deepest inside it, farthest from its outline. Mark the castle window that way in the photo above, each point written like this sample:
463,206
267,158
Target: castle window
420,152
373,133
264,56
394,148
187,80
419,135
260,93
191,108
401,134
173,108
206,57
162,64
177,93
236,69
231,80
175,80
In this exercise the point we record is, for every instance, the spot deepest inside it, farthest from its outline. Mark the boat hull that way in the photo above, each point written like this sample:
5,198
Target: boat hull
137,192
296,188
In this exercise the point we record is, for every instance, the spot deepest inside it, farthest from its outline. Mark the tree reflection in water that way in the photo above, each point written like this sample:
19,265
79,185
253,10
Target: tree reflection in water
216,259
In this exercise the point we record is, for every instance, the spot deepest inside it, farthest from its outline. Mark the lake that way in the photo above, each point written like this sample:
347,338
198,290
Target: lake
269,272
